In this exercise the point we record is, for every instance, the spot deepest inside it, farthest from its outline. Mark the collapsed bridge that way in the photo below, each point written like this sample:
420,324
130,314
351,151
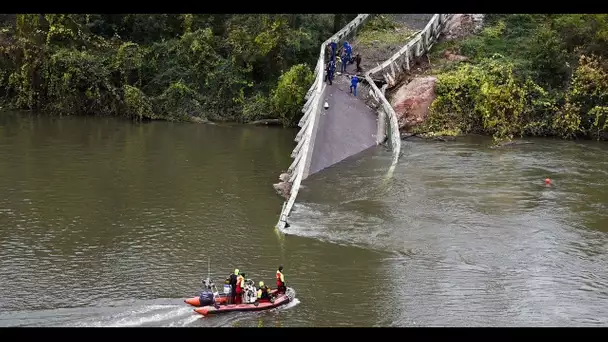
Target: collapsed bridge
350,125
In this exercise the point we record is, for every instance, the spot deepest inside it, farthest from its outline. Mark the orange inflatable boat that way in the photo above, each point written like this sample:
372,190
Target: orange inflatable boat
278,300
220,299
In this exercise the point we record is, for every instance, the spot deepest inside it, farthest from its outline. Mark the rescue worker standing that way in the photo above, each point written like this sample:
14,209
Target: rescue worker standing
333,50
240,284
232,281
349,50
327,73
354,81
281,280
338,63
263,292
329,69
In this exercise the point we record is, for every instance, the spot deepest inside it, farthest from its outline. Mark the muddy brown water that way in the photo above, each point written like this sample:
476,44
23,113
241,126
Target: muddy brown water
108,223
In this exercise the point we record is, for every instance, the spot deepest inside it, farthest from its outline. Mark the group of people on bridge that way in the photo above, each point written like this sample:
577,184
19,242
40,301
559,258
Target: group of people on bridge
236,280
340,59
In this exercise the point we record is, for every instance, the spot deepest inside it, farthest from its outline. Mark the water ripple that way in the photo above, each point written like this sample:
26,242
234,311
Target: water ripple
476,237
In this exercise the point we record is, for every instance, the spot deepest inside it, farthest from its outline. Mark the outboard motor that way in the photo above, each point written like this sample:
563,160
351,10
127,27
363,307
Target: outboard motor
207,298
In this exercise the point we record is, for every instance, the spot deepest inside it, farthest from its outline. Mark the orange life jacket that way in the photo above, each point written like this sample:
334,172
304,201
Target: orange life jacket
239,283
279,281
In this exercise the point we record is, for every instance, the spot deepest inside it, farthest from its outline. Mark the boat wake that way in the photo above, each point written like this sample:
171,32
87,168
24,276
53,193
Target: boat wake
139,313
289,305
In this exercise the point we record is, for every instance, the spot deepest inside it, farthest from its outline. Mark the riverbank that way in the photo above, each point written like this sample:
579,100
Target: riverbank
184,68
517,76
174,67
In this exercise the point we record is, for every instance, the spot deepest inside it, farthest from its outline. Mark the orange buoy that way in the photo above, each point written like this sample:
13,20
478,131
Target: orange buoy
548,181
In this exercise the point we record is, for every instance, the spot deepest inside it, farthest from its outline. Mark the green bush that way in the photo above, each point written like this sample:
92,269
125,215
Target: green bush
179,101
257,107
586,108
485,98
288,97
531,74
160,66
137,104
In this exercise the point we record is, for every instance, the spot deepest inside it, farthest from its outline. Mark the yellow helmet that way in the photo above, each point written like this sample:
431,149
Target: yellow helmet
236,271
261,283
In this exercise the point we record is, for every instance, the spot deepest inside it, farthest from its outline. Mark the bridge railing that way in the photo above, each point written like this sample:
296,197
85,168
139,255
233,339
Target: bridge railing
394,66
302,153
399,62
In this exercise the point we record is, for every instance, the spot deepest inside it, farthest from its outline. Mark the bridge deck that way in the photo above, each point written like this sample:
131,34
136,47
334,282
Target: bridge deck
348,127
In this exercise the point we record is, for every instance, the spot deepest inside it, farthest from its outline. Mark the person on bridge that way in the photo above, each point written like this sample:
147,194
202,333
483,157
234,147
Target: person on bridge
358,61
333,51
344,62
329,69
281,280
263,292
339,63
349,51
240,284
353,84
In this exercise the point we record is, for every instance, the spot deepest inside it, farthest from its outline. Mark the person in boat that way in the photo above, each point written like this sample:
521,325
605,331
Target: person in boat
263,292
232,279
281,280
240,284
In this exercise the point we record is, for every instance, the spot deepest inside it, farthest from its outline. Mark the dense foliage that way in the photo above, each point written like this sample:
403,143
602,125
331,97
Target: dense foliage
528,74
176,67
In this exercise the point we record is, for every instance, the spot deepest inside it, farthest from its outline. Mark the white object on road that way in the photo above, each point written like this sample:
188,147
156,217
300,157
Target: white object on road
326,105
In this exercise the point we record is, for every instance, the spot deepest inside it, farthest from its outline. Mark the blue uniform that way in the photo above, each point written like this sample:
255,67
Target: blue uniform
330,68
333,51
353,84
344,61
349,51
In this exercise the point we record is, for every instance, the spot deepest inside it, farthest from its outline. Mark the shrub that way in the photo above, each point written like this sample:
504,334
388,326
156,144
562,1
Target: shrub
288,97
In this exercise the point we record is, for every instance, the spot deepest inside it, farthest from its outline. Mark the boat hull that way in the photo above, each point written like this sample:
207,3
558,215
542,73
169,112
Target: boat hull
281,299
221,299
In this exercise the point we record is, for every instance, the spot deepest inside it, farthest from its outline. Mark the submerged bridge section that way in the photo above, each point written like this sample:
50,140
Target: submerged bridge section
349,125
346,128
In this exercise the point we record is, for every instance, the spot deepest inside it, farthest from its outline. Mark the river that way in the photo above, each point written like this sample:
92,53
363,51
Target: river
104,222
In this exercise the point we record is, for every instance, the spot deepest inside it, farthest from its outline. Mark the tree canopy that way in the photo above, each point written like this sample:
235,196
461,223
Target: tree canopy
162,66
